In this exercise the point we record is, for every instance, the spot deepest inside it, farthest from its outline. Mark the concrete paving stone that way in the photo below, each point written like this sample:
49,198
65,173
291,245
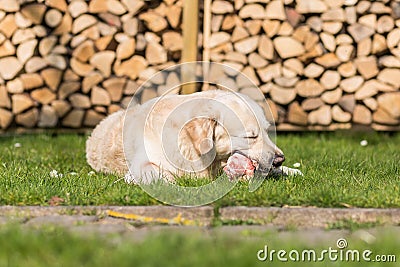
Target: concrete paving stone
61,220
95,229
309,217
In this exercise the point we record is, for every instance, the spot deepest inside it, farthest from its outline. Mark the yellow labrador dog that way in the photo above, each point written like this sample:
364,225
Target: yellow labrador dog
180,134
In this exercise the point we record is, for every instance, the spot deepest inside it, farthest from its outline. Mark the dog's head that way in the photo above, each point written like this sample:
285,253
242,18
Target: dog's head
237,125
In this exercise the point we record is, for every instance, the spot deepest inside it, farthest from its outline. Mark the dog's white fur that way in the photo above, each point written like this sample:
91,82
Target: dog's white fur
209,127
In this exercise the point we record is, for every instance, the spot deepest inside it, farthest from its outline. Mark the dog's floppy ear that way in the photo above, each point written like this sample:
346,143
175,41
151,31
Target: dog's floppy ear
200,132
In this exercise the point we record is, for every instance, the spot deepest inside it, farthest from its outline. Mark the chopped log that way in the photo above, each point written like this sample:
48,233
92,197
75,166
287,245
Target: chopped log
275,10
221,7
236,56
174,13
239,33
381,116
390,76
20,103
91,80
56,61
315,23
393,38
371,103
67,88
172,41
74,118
61,107
154,21
332,97
103,42
59,4
295,65
22,35
252,11
48,117
296,114
282,96
70,76
77,8
367,66
115,87
329,41
286,82
332,27
312,103
286,29
329,60
80,68
8,25
131,26
15,86
116,7
103,61
363,6
113,108
79,101
131,67
256,61
147,94
364,47
21,21
248,79
247,45
92,118
344,52
34,12
99,96
47,44
155,54
313,70
352,84
288,47
43,96
330,79
271,71
339,115
26,50
311,6
378,44
9,5
271,27
83,22
321,116
28,119
347,102
35,64
253,26
266,48
7,49
335,14
65,25
390,103
344,39
52,77
31,80
367,90
347,69
309,88
385,24
368,20
359,31
84,51
362,115
9,67
6,118
53,18
4,98
218,38
229,22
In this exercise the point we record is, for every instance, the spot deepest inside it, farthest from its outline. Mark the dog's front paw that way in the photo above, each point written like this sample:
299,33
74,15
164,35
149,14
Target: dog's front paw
130,179
290,171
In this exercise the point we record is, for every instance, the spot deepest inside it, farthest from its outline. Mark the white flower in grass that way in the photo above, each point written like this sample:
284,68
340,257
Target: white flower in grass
296,165
364,143
54,174
17,145
91,173
73,173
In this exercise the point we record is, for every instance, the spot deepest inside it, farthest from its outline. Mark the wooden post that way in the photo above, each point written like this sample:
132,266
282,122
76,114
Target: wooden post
206,42
189,52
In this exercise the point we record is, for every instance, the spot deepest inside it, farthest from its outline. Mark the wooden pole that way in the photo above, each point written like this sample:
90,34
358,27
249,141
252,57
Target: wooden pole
189,53
206,42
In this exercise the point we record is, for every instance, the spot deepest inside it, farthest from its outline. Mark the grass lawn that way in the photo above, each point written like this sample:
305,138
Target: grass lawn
338,172
57,247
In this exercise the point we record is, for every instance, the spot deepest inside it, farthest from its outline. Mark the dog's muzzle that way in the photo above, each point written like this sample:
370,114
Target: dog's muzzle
278,159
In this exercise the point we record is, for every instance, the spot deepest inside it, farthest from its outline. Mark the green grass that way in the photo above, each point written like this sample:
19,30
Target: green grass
338,172
57,247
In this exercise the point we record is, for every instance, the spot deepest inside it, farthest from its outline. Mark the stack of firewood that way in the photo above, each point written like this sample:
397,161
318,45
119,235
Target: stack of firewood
325,64
70,63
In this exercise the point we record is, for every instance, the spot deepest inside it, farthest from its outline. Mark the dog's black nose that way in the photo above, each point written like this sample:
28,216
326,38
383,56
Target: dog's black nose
279,158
